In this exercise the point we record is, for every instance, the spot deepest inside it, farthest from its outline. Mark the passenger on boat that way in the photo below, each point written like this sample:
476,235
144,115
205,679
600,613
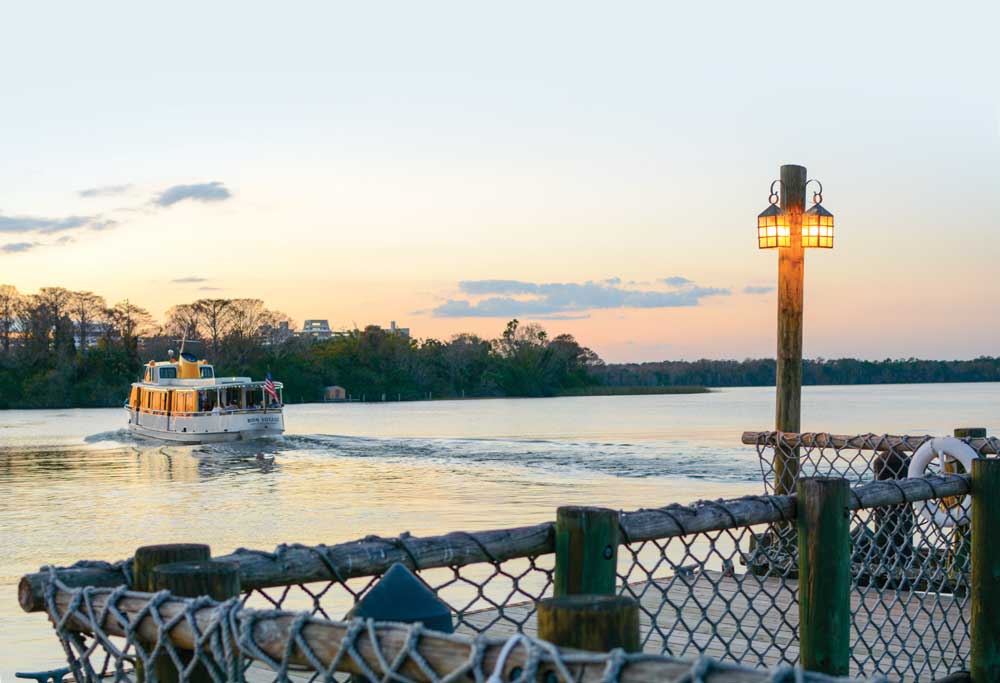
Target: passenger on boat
216,410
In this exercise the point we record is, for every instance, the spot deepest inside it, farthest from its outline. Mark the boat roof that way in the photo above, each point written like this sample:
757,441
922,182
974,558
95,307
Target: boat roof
212,383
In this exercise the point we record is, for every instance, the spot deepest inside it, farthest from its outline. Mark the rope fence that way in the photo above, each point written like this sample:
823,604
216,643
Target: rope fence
230,643
716,579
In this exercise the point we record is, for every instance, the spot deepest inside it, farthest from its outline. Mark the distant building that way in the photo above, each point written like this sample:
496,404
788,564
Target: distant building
401,331
334,393
276,334
95,332
317,329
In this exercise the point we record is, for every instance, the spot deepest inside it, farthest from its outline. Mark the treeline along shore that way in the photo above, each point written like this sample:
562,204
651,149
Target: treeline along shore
60,348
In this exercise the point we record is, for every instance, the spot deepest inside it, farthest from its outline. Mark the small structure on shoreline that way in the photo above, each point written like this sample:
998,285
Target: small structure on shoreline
334,394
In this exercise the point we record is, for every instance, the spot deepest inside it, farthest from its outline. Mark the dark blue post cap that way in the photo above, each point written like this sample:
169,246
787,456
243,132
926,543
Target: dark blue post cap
401,596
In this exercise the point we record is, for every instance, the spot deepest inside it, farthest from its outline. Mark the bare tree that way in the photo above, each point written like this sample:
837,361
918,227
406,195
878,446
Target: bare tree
184,321
87,310
215,318
129,322
10,305
45,317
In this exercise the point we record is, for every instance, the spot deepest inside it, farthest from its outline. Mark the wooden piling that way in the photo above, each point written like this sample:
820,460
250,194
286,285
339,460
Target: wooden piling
217,580
984,631
598,623
958,555
791,283
586,551
824,575
149,557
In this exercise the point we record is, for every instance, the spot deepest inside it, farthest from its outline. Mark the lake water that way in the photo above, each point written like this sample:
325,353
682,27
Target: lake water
74,485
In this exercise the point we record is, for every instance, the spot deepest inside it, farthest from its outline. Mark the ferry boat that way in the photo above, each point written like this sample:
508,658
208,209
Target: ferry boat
181,399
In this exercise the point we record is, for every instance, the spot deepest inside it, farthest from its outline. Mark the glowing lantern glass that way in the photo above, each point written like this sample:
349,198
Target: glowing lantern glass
817,227
772,228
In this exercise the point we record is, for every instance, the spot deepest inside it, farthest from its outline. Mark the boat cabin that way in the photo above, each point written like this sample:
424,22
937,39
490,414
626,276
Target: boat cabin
188,386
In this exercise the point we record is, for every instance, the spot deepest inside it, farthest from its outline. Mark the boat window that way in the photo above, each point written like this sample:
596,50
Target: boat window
253,398
206,372
168,373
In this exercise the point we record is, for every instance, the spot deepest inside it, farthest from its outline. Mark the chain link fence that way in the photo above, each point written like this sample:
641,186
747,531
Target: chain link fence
859,458
159,637
716,579
496,596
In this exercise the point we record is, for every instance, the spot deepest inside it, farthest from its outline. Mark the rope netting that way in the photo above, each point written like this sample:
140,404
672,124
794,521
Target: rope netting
714,579
201,639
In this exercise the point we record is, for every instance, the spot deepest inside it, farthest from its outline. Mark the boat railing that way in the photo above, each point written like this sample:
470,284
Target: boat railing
224,411
208,413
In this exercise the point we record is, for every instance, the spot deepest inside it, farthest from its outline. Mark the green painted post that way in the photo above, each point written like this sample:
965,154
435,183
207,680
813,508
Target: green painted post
598,623
958,557
984,657
586,551
824,575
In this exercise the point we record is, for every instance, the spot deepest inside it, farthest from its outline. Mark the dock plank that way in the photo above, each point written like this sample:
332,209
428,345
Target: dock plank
755,619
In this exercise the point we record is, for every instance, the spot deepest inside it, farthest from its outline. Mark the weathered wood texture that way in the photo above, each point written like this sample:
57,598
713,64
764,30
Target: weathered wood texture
985,580
791,278
756,618
824,575
587,541
599,623
146,560
149,557
864,442
301,564
217,580
443,654
970,432
371,556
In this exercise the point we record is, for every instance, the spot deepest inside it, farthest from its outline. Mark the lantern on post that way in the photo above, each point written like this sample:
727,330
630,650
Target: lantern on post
817,223
772,224
787,226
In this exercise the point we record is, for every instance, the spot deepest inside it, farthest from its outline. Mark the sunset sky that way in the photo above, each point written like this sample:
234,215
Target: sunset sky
594,167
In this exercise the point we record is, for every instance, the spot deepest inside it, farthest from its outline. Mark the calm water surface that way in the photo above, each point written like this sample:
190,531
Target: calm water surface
75,486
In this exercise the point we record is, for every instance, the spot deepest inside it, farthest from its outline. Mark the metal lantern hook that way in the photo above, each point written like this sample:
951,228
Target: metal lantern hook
773,197
817,196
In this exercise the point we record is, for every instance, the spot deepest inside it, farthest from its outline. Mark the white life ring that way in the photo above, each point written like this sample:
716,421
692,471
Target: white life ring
941,449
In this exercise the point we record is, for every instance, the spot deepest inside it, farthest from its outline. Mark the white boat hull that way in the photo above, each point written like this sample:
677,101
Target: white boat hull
207,428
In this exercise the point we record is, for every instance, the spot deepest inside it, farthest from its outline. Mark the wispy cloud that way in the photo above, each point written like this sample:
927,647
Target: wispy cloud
477,287
48,226
18,247
105,191
73,224
676,281
563,299
758,289
201,192
210,289
189,280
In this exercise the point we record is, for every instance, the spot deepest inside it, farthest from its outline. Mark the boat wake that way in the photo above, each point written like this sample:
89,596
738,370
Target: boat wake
635,460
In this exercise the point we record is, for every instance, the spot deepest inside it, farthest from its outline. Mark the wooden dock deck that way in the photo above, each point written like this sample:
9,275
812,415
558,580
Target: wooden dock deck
716,618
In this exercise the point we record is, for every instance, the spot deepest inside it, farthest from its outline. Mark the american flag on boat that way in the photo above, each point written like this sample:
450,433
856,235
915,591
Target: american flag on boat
269,387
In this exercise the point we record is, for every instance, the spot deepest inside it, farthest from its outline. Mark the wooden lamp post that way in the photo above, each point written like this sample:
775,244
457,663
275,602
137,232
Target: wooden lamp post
790,228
